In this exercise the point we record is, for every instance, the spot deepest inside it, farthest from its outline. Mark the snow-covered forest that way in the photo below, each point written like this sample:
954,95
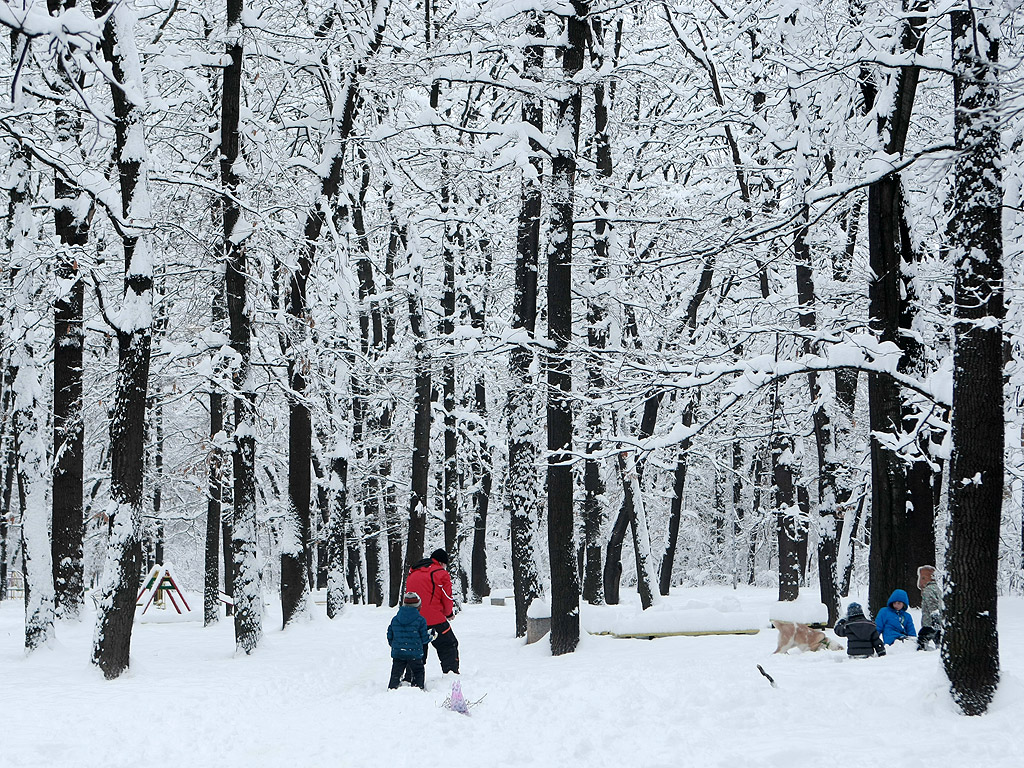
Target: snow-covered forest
594,295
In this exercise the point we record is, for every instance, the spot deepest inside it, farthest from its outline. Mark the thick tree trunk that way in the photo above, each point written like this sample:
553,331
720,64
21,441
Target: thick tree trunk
68,524
597,339
890,296
565,597
785,514
522,485
112,641
246,588
970,649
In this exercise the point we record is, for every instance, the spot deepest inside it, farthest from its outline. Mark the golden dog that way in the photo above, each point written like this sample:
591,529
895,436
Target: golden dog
795,635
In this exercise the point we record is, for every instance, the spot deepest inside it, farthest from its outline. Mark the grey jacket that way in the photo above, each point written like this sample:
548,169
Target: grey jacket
931,606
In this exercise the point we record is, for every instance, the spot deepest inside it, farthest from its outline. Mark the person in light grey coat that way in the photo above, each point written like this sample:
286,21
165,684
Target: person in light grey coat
931,607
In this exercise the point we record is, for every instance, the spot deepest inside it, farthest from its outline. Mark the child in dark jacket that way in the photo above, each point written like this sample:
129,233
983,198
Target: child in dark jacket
861,633
407,634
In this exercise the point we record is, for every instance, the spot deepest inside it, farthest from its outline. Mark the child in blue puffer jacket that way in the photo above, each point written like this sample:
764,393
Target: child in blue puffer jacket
893,621
407,634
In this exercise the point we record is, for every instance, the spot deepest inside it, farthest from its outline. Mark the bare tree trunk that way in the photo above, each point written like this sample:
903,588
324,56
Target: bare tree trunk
522,483
246,589
112,642
597,331
970,649
480,462
785,512
72,228
336,593
215,481
565,596
890,310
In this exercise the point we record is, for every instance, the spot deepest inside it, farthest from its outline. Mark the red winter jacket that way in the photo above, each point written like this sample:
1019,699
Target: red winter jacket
429,579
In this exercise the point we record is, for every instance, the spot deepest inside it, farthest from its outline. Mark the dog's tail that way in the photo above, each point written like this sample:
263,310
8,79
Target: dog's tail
770,678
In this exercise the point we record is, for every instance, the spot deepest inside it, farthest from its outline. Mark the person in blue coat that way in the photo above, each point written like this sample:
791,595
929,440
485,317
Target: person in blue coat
407,634
893,621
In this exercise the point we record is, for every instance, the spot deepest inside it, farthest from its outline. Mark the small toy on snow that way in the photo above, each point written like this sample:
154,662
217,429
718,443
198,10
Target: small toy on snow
457,701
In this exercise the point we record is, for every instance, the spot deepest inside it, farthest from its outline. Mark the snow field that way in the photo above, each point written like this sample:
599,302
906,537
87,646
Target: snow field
315,695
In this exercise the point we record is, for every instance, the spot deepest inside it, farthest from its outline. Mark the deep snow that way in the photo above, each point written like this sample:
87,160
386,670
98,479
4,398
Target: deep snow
315,695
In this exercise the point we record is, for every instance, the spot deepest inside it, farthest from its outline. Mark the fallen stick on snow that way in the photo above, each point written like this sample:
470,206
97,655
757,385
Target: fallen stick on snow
770,678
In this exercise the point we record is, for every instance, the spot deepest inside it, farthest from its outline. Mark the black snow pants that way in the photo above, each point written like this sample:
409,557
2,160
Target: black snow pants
411,669
446,645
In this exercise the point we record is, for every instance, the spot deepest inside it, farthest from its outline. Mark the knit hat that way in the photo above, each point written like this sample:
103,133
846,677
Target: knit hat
411,598
854,609
440,555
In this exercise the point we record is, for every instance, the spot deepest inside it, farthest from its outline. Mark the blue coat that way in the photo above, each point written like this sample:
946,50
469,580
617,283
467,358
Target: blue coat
407,633
893,624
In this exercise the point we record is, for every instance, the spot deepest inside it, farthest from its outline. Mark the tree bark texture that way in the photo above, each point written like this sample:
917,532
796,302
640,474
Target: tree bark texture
786,513
247,591
970,648
891,313
112,640
565,597
522,484
72,229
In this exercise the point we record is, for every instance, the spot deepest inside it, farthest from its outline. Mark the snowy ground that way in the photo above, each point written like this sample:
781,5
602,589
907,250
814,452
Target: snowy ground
315,696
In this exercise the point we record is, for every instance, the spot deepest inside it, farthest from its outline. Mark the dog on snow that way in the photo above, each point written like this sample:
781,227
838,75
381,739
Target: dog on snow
795,635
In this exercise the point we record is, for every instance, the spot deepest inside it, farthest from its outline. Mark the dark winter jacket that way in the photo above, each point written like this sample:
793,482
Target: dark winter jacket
429,579
861,635
407,634
893,624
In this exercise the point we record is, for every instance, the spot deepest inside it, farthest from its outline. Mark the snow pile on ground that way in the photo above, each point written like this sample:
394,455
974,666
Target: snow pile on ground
673,617
315,695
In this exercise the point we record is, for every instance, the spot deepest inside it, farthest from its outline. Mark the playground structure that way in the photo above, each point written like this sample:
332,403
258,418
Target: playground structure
158,589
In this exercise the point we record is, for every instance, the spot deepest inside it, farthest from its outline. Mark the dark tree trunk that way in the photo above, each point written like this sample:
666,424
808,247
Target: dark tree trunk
215,481
245,581
785,513
970,649
68,524
522,484
112,645
390,495
676,507
890,295
481,460
565,595
597,339
758,479
737,508
371,334
450,469
421,427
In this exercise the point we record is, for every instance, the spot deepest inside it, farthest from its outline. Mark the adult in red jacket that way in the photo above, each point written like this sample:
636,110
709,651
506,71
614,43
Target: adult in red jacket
430,580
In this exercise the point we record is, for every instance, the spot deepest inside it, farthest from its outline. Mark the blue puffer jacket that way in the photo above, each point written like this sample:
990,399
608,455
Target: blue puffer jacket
893,624
407,633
